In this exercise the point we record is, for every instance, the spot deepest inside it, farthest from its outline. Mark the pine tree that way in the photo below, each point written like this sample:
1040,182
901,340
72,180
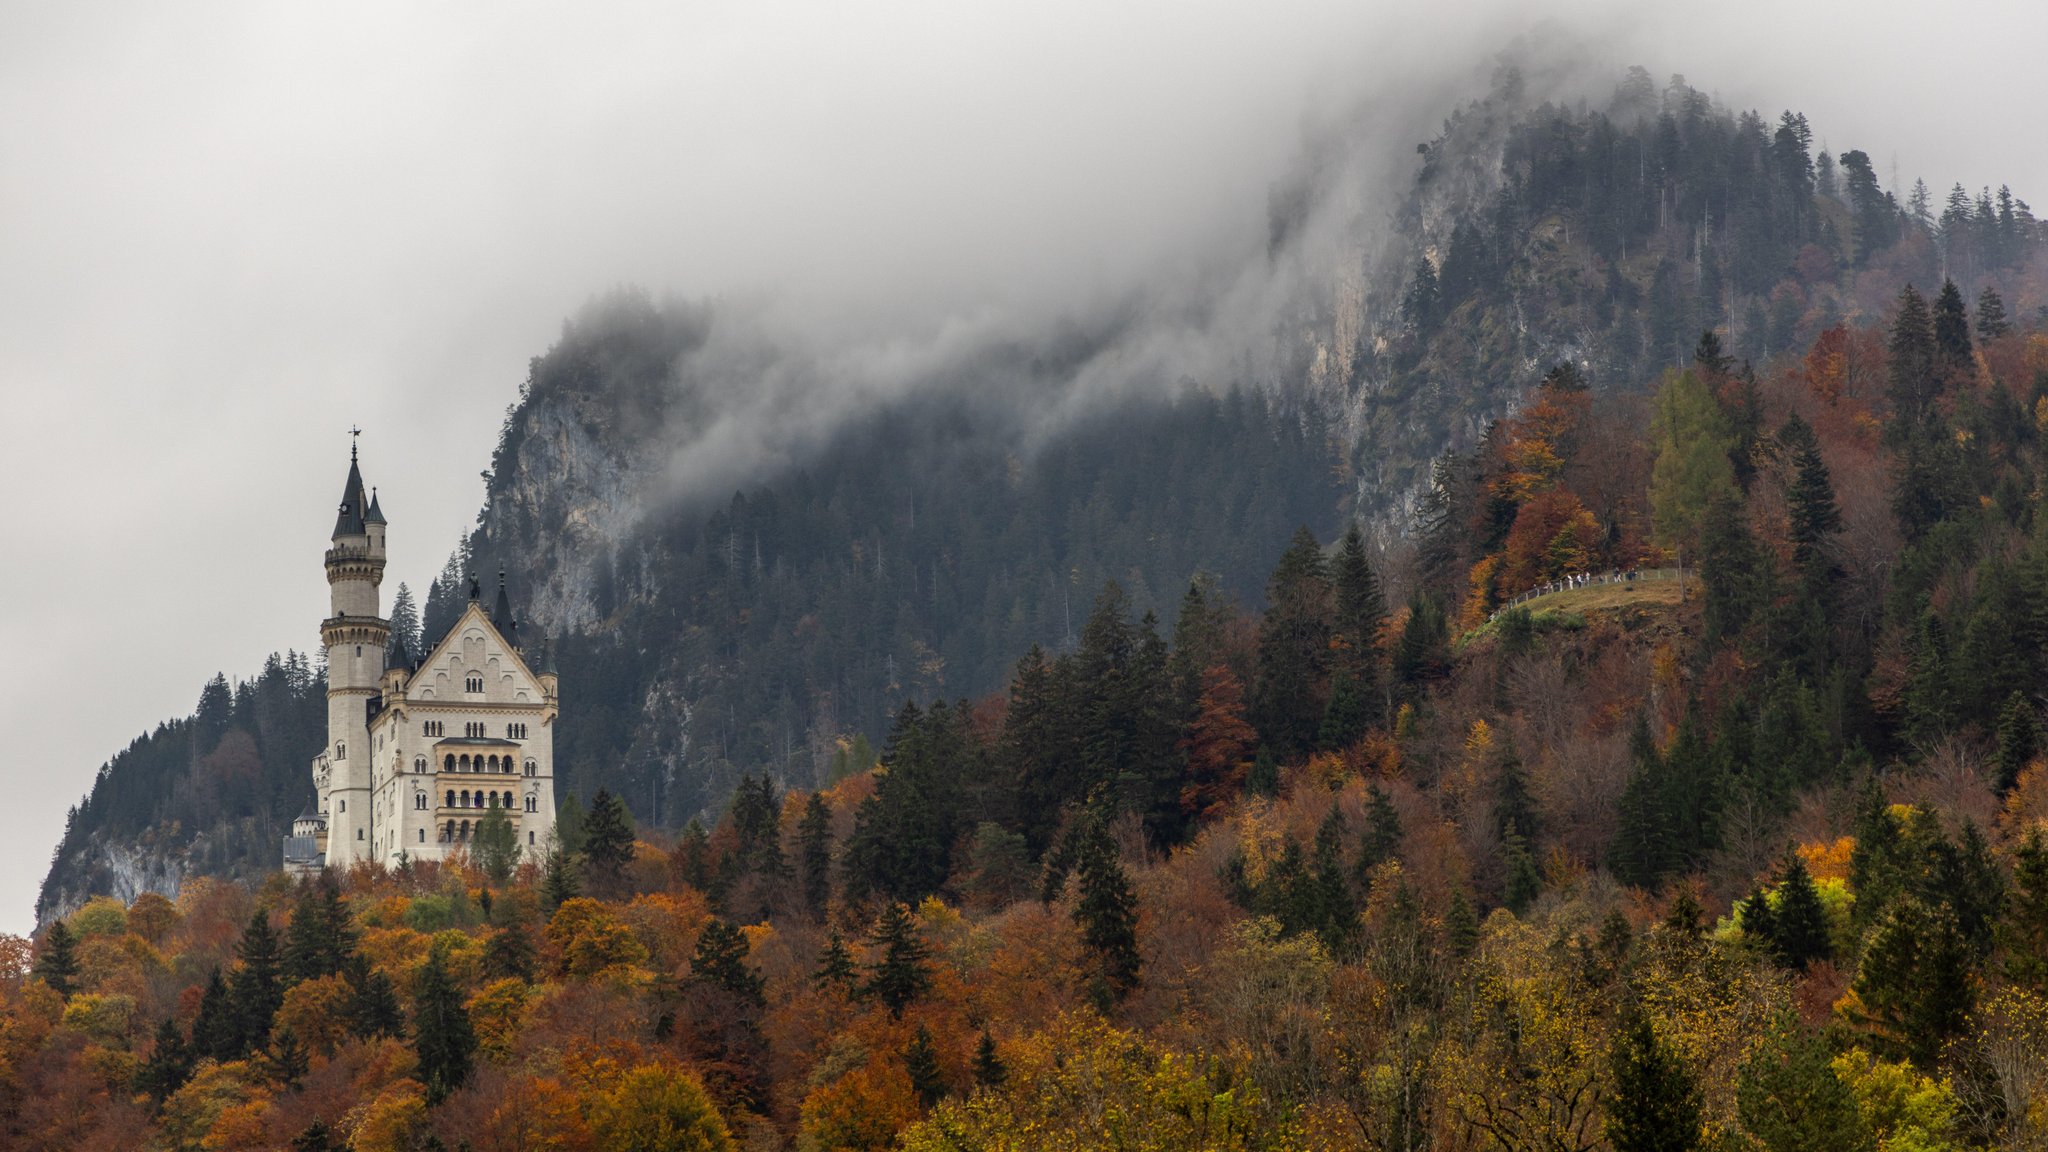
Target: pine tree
901,975
1264,777
691,860
495,845
213,1029
1914,376
256,989
607,838
1524,882
1382,839
1656,1106
373,1009
2019,739
989,1071
1790,1099
169,1064
1800,928
1991,319
721,961
442,1037
405,644
814,850
317,1137
1336,910
921,1060
286,1062
1348,715
1915,980
1461,925
558,880
57,960
509,954
1930,696
1815,517
1107,911
1423,303
1294,645
835,965
2023,931
1951,331
1361,612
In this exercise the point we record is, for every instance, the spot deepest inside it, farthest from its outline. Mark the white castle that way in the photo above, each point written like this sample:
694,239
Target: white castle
418,753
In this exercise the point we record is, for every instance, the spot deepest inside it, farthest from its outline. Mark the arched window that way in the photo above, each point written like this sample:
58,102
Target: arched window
465,830
341,750
419,763
359,833
450,762
423,835
419,801
532,804
473,683
451,801
532,768
494,764
344,805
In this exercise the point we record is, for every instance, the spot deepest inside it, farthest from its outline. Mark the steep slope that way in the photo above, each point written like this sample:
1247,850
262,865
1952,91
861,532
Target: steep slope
746,550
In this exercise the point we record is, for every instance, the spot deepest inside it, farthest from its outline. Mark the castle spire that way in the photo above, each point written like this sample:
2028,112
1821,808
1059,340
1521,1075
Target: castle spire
349,521
501,613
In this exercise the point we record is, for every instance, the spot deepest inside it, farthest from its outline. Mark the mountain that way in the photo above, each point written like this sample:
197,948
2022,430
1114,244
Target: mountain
747,552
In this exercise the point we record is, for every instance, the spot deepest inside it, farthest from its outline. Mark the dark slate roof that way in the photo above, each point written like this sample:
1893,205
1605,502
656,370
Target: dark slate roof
501,614
349,520
375,515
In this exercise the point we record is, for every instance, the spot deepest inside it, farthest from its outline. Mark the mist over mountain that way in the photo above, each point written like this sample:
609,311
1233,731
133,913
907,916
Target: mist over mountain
750,532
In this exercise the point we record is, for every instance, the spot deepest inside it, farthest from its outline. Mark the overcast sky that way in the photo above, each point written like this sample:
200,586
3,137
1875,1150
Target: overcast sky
228,232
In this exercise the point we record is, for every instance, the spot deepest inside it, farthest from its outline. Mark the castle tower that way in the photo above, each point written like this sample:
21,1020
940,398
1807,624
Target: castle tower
354,634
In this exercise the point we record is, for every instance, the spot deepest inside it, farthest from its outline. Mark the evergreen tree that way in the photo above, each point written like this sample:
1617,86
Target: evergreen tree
558,881
835,965
692,858
989,1071
286,1062
169,1064
1382,838
1264,777
1790,1099
921,1060
1915,980
903,833
2019,739
1656,1105
1107,911
902,974
57,961
1991,319
607,838
1951,331
509,954
1336,910
1461,925
214,1036
569,824
814,850
1733,568
405,645
1930,696
2023,931
1524,882
373,1009
1512,803
721,961
257,987
1361,612
1815,518
1421,306
495,845
1800,928
442,1037
1914,369
1294,646
1348,715
317,1137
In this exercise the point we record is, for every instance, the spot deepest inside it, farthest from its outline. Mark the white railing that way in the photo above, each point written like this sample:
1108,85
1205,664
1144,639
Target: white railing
1590,580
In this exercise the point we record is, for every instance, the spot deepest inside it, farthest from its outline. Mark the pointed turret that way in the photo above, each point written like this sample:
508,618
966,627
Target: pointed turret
350,519
375,515
501,613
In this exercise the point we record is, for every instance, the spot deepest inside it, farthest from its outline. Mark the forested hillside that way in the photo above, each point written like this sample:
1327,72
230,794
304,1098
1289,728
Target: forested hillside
1749,853
913,550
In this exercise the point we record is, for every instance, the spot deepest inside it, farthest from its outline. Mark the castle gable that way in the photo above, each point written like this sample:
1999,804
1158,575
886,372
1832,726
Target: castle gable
474,652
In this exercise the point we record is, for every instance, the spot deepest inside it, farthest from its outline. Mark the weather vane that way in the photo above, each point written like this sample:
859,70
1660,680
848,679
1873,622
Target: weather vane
355,437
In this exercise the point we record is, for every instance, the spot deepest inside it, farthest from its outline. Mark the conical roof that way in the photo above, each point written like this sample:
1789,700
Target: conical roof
501,613
375,515
349,520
